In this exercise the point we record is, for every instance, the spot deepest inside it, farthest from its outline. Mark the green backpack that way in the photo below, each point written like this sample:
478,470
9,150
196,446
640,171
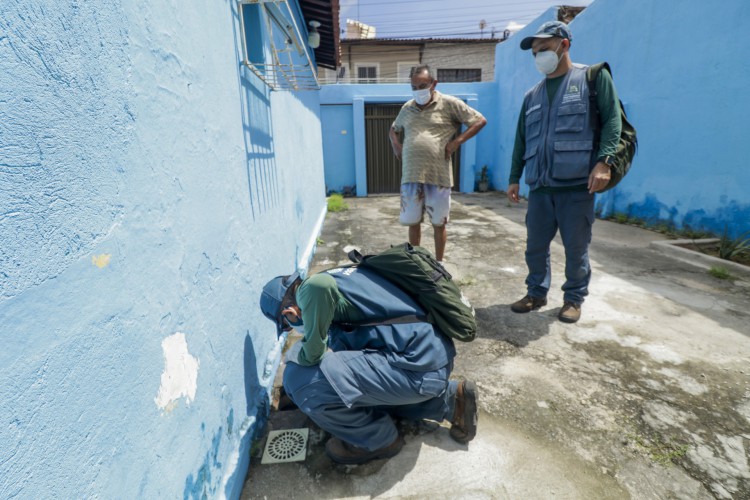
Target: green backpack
626,149
415,271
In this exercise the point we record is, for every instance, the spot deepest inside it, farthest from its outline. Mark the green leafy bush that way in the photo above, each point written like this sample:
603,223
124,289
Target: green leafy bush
336,203
732,248
719,272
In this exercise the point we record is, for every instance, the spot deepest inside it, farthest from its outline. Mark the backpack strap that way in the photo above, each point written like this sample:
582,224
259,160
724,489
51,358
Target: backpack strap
410,318
357,258
592,74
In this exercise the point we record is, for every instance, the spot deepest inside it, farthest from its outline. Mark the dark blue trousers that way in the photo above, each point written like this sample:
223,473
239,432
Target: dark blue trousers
385,392
572,213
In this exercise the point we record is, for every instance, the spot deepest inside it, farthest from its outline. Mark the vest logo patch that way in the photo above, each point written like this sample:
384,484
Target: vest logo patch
572,94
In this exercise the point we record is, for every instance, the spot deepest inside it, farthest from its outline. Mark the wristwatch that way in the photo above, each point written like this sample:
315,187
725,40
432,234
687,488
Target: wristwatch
607,160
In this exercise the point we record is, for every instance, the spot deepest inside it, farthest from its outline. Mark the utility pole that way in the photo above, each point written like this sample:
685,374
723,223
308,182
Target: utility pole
482,25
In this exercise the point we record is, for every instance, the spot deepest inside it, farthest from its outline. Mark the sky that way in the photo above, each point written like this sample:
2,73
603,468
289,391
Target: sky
446,18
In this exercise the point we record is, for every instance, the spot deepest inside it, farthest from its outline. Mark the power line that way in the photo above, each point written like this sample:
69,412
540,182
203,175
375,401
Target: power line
443,25
464,34
454,23
414,51
463,10
400,22
378,3
449,14
395,20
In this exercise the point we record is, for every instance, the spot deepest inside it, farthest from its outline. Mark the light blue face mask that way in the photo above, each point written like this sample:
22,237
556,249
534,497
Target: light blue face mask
422,96
297,325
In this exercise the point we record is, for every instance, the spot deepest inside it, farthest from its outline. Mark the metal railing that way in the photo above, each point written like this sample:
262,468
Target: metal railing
290,67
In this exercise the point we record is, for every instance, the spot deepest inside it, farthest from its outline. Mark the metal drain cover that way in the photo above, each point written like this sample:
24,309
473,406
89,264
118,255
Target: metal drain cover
288,445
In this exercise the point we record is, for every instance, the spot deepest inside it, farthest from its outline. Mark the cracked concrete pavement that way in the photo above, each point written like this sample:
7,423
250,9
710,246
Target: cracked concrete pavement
647,396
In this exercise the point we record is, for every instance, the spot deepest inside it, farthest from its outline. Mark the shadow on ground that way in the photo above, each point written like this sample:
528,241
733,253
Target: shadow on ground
648,396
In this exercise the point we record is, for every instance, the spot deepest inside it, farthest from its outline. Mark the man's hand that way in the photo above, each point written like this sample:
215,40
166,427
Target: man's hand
599,177
513,192
397,149
451,147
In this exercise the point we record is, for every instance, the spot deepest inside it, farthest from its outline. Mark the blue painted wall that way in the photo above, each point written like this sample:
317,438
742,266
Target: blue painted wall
688,102
515,73
149,186
342,108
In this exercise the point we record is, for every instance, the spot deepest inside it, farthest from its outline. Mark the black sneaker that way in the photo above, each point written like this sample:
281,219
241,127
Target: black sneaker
342,452
465,415
528,303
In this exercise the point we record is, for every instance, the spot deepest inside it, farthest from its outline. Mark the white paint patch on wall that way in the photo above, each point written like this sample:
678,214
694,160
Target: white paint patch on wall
180,376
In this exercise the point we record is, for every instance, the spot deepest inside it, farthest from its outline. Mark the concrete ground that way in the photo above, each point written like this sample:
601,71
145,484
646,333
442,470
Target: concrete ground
648,396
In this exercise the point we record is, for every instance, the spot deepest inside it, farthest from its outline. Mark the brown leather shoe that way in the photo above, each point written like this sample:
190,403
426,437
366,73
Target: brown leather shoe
570,312
344,453
465,415
528,303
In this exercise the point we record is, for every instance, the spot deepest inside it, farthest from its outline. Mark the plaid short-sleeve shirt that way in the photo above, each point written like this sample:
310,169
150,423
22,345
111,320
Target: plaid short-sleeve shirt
426,132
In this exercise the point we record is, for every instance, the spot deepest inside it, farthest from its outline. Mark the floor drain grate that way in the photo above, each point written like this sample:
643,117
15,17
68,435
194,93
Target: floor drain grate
288,445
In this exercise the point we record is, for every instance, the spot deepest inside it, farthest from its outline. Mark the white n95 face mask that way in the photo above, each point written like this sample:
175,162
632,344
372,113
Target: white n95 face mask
422,96
547,61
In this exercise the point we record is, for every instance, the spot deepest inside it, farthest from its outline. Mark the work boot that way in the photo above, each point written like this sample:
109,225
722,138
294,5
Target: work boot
344,453
528,303
570,312
465,415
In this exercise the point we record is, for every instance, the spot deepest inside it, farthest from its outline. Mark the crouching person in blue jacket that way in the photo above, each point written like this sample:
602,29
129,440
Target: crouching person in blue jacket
366,359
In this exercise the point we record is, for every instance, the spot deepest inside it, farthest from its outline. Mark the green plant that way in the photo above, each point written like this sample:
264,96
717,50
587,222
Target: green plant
336,203
620,218
637,222
730,248
319,241
694,234
661,452
719,272
467,281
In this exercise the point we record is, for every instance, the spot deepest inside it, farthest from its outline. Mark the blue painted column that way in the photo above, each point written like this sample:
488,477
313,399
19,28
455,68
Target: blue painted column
360,146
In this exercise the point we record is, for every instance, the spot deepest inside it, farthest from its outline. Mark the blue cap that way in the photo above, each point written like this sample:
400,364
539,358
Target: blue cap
273,297
548,30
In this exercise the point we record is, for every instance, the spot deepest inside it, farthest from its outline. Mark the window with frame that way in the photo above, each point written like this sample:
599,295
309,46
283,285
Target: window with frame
367,74
272,45
459,75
